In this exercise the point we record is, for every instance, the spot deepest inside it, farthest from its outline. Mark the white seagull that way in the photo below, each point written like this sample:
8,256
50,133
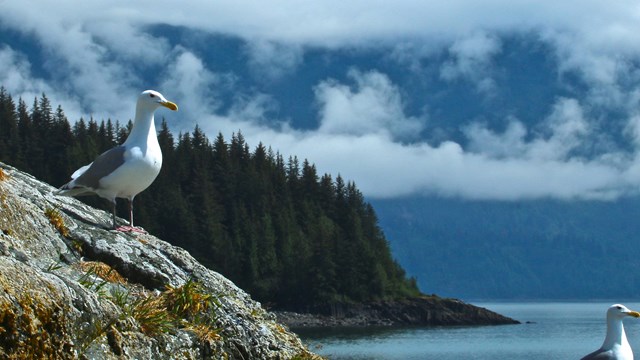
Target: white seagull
615,346
126,170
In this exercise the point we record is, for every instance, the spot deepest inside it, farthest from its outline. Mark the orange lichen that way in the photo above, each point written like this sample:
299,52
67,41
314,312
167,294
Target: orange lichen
204,332
33,328
103,271
56,220
3,197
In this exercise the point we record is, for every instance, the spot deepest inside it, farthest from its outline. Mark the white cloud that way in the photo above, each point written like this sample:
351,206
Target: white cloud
22,84
271,60
19,81
336,23
129,43
196,88
512,142
190,85
562,132
374,106
471,60
78,64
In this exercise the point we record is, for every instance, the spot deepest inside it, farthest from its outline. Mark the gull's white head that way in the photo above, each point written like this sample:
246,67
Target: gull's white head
152,99
618,311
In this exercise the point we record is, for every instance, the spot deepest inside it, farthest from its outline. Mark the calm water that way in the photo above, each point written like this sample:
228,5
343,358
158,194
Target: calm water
556,331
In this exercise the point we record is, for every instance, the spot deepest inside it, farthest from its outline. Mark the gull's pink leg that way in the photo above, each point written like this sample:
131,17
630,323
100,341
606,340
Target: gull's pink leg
131,228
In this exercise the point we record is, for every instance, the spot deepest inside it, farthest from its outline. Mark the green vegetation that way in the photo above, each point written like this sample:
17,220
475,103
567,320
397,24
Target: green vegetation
188,306
289,236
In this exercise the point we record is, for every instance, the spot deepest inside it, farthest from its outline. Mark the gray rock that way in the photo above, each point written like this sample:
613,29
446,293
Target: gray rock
58,301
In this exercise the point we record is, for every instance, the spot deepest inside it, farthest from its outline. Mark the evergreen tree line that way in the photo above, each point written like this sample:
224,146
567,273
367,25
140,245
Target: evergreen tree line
287,235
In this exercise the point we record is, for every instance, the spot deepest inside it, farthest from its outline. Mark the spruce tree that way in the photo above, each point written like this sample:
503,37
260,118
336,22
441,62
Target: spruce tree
10,139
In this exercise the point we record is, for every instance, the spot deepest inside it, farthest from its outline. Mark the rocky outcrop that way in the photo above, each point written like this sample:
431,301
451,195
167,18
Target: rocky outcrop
419,311
71,288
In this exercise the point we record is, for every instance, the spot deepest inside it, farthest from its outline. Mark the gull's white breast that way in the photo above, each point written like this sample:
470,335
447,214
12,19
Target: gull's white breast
138,171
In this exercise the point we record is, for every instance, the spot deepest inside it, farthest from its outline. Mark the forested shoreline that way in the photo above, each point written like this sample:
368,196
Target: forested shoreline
291,237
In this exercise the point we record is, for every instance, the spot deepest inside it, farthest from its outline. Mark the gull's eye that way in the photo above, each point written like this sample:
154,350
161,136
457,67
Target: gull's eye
619,307
151,95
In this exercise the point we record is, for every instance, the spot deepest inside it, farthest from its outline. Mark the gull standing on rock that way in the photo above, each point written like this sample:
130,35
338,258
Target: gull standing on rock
126,170
615,346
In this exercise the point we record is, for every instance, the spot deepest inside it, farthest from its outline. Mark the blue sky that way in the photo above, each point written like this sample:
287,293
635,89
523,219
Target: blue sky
493,99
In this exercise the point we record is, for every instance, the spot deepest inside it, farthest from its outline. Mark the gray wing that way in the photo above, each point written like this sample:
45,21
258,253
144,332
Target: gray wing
600,355
102,166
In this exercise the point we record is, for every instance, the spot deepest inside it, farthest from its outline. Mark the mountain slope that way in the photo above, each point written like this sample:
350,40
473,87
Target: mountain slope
518,250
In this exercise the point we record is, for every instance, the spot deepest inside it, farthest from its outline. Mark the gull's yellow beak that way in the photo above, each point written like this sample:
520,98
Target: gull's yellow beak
635,314
170,105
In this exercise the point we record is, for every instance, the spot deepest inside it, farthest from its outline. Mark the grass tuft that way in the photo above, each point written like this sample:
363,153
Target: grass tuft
91,281
152,315
188,300
188,307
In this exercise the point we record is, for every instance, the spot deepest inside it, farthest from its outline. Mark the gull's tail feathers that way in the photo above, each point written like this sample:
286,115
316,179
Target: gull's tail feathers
70,190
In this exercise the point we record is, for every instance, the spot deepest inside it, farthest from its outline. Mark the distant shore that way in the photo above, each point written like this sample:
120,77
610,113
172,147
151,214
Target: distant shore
419,311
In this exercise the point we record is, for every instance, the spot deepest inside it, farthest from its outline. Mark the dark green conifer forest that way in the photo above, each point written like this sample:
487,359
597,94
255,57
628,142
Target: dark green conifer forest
289,236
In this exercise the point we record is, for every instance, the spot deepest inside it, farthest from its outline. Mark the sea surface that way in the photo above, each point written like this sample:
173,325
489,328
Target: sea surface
548,331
